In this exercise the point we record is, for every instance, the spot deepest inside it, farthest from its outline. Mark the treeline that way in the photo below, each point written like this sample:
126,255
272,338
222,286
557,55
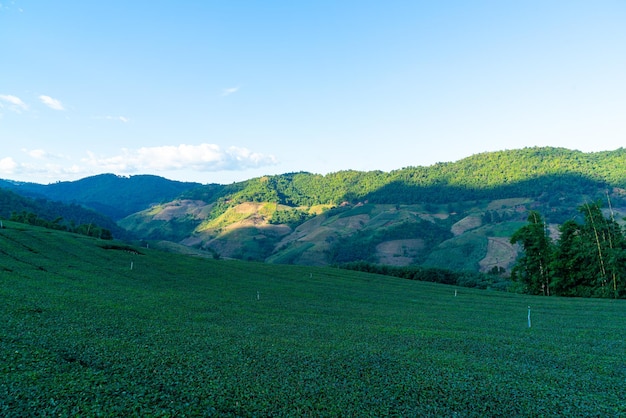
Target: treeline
434,275
90,230
587,260
529,172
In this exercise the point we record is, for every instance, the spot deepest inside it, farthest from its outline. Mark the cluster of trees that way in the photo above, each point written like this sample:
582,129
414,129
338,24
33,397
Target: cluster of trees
293,217
588,259
90,230
432,274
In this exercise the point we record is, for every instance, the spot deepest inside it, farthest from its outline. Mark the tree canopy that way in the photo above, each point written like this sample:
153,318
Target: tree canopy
588,259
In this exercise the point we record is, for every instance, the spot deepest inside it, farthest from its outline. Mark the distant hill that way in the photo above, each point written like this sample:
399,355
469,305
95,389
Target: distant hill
62,214
111,195
456,215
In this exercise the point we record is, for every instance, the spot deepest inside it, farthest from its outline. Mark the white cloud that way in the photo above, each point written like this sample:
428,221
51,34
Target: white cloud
41,165
229,91
14,103
202,157
114,118
36,153
51,103
8,165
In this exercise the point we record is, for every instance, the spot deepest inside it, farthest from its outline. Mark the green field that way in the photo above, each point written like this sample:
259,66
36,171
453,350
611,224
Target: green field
83,334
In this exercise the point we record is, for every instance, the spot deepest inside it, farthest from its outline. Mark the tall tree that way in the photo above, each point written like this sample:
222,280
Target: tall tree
606,258
569,278
532,269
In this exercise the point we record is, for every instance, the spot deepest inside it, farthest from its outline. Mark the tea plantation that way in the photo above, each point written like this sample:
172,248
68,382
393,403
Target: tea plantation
98,328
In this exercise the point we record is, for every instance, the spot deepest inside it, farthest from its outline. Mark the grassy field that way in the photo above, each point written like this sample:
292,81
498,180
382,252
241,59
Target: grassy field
84,334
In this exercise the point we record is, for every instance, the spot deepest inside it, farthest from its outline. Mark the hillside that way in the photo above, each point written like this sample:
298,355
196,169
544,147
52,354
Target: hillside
94,327
457,215
452,215
60,215
111,195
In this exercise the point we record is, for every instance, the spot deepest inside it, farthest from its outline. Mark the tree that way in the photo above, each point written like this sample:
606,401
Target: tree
570,255
589,259
607,252
532,268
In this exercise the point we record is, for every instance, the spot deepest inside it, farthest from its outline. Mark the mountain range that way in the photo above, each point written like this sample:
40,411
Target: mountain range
457,215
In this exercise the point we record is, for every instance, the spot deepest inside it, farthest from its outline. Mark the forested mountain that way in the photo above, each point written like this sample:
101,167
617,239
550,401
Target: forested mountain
457,215
111,195
59,215
528,172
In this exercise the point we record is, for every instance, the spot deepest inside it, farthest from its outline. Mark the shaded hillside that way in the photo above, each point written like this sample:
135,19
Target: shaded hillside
527,172
61,214
452,215
111,195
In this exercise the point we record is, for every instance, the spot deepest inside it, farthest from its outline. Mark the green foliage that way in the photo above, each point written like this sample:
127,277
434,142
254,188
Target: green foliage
84,335
111,195
55,215
533,268
549,173
290,217
361,246
90,230
433,274
588,260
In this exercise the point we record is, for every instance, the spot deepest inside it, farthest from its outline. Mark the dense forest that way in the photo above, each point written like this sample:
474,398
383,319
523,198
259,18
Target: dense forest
108,194
57,215
588,259
548,174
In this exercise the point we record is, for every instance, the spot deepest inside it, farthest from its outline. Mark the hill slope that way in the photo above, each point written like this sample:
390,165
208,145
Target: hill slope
85,334
62,215
111,195
453,215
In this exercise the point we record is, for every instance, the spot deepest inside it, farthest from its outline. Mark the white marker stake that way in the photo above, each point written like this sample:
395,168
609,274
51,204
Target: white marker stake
454,292
529,317
131,265
258,295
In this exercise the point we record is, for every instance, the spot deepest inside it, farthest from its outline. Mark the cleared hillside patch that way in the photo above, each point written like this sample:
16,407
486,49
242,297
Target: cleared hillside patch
500,253
401,252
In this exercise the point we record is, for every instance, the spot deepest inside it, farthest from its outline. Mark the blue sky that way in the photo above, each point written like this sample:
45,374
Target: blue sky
223,91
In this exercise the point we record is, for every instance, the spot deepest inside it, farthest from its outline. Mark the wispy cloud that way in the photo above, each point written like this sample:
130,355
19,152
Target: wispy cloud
36,153
13,103
114,118
42,164
51,103
229,91
202,157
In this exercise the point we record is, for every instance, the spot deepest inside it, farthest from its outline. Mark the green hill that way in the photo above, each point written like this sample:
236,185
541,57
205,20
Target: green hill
110,195
455,215
56,214
94,327
450,215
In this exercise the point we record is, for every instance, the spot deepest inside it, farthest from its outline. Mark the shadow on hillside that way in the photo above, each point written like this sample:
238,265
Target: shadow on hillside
403,192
